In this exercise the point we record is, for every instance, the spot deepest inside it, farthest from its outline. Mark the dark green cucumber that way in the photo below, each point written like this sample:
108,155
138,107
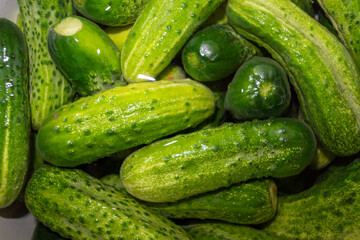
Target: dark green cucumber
110,13
328,210
223,231
14,112
121,118
43,233
48,87
325,77
159,33
260,89
199,162
78,206
85,54
253,202
345,17
216,52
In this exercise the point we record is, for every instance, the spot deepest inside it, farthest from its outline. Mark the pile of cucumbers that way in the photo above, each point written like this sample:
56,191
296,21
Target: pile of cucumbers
207,119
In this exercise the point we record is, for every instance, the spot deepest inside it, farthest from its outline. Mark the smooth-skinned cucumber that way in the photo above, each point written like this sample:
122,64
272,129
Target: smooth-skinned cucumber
85,54
49,89
322,71
224,231
14,112
110,13
159,33
206,160
78,206
345,17
328,210
121,118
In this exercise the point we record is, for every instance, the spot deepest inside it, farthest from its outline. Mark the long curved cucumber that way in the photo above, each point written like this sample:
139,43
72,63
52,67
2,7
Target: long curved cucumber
49,89
345,17
121,118
14,112
78,206
85,55
199,162
159,33
323,73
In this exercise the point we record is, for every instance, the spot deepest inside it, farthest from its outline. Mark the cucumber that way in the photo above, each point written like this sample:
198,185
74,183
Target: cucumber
345,17
159,33
215,53
14,112
110,13
172,72
48,87
260,89
218,17
85,54
252,202
199,162
78,206
43,233
121,118
328,210
224,231
323,20
305,5
118,35
324,75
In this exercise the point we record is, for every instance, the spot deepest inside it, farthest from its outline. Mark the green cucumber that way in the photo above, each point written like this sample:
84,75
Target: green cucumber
172,72
323,20
121,118
215,53
84,53
252,202
43,233
224,231
199,162
110,13
78,206
305,5
260,89
14,112
345,17
325,77
218,17
48,87
328,210
159,33
118,35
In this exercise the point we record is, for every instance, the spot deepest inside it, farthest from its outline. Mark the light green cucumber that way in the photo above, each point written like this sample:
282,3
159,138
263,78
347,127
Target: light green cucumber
172,72
121,118
252,202
118,35
224,231
14,112
78,206
218,17
110,13
159,33
345,17
328,210
206,160
323,73
48,87
85,55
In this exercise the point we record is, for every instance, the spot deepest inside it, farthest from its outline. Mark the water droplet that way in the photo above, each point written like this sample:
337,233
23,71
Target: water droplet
87,132
215,148
57,129
166,159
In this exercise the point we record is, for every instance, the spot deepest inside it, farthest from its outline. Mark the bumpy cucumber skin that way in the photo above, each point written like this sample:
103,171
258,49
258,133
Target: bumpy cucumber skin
78,206
159,33
122,118
48,87
186,165
114,13
89,59
216,52
252,202
247,203
324,75
333,204
345,17
223,231
14,112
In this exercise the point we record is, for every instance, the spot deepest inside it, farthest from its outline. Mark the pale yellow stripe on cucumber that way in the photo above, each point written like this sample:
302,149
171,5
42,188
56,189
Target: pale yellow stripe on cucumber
138,42
5,156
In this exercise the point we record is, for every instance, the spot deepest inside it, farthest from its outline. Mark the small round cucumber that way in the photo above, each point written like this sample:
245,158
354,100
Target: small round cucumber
260,89
215,52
